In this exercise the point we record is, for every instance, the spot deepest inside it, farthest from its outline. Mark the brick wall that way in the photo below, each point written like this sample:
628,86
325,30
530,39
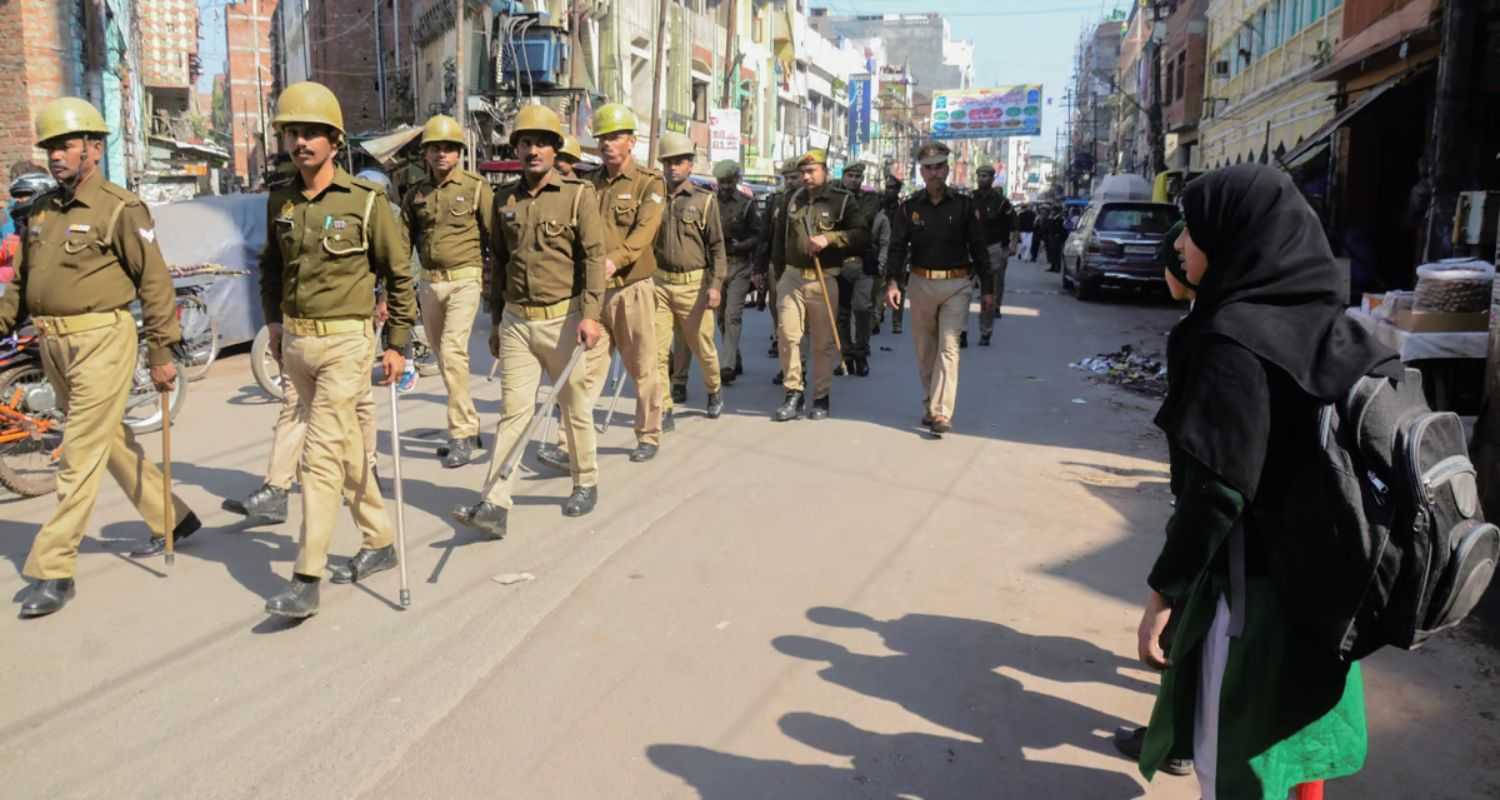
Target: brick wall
244,34
36,70
344,57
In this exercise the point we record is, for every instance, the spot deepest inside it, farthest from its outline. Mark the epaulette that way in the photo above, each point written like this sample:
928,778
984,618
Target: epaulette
369,186
119,193
834,188
572,179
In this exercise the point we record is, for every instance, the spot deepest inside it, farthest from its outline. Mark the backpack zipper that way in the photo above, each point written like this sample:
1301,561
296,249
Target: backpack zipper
1442,472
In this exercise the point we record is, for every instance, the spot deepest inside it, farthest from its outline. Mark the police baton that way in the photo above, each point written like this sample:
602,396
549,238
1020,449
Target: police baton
838,346
513,458
400,495
168,510
618,371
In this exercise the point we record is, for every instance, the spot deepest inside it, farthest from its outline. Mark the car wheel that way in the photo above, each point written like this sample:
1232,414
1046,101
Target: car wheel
1085,291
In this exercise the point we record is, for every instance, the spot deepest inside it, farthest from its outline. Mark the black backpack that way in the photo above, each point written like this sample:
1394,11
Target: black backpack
1392,546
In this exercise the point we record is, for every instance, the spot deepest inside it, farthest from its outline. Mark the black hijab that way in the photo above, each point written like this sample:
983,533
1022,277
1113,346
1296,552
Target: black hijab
1273,289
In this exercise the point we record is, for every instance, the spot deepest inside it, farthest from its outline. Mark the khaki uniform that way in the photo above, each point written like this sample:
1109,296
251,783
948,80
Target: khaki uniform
549,265
318,275
85,257
291,431
690,259
834,213
449,222
946,249
630,208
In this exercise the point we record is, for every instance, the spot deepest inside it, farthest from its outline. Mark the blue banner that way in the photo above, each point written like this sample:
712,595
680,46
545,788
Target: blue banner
859,114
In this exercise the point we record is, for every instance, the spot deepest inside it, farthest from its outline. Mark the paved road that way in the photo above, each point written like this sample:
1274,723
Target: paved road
809,610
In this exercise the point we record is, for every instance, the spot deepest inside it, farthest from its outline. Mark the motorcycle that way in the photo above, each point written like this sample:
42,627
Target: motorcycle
31,421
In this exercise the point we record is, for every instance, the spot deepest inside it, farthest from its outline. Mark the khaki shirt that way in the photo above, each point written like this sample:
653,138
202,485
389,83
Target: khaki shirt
93,250
835,213
630,204
549,246
450,220
324,254
692,237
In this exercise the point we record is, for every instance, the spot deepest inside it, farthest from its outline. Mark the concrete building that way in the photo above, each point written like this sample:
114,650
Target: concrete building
923,43
1093,102
1260,99
1130,141
250,86
1185,54
169,52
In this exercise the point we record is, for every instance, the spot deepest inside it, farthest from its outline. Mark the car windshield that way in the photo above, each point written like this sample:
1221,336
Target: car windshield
1137,218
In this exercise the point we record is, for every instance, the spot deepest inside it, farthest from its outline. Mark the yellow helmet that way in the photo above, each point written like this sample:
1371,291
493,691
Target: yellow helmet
68,115
442,128
536,118
675,145
613,117
814,156
308,102
570,149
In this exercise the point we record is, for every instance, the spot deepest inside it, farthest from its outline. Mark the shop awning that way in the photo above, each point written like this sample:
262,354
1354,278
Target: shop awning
1314,145
384,148
1417,20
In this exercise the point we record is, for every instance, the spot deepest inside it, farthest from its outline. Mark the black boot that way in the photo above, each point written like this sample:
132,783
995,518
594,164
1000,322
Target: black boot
643,452
727,376
299,601
777,380
739,364
862,366
487,518
679,393
157,545
364,564
715,405
984,340
266,506
47,597
668,424
842,369
791,408
963,340
820,408
773,352
1129,739
553,456
581,501
462,452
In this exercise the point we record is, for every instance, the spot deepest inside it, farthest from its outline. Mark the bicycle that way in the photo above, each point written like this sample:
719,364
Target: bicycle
31,423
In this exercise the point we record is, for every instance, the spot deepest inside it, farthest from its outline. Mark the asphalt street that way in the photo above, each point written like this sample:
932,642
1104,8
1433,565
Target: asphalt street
847,608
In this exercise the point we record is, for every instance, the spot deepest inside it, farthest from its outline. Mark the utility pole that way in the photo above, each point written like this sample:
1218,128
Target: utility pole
731,59
1447,153
1154,115
461,112
659,78
380,84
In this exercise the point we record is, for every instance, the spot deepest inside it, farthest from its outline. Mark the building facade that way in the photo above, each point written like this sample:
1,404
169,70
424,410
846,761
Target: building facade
250,87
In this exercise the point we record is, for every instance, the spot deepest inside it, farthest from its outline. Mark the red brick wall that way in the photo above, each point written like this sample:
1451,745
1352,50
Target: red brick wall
34,69
344,56
245,98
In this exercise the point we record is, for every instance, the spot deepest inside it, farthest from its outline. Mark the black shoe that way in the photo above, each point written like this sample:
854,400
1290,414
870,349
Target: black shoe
791,408
862,366
267,505
1129,740
820,409
739,365
727,376
157,545
895,327
875,329
842,369
47,597
927,420
364,564
984,340
668,424
462,452
679,393
642,453
554,456
715,405
581,501
963,339
941,425
773,352
487,518
777,380
299,601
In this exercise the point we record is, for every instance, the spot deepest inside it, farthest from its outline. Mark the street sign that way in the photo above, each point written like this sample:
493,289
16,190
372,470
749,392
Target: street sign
859,113
724,135
993,113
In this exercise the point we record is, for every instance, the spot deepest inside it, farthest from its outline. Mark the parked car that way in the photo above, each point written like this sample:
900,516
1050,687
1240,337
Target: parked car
1116,245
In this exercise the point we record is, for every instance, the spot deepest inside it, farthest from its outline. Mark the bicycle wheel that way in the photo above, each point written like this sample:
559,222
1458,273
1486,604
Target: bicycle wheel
264,367
30,431
200,335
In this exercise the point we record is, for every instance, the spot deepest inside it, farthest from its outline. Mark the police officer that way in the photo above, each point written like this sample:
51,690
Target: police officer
568,156
767,274
331,237
938,228
546,302
857,279
89,251
630,204
996,217
448,213
691,268
821,221
889,199
741,242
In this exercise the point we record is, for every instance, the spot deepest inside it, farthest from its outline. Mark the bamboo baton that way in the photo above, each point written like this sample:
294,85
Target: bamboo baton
513,458
400,496
168,511
833,324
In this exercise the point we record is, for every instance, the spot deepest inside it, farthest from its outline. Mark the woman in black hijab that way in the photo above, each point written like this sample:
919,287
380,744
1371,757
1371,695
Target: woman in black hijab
1265,345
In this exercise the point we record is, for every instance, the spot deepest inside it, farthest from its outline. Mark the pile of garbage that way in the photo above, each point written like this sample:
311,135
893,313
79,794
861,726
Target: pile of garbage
1128,369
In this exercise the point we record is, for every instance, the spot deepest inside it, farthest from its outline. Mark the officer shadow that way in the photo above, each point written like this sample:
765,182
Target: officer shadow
16,538
986,683
246,552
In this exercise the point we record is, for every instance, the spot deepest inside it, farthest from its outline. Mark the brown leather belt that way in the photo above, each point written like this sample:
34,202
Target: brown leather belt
941,274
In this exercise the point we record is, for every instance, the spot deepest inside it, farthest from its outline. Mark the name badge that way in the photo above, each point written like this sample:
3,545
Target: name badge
78,228
339,224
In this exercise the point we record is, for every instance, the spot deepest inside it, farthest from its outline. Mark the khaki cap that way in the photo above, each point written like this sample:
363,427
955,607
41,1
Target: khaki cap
933,153
814,156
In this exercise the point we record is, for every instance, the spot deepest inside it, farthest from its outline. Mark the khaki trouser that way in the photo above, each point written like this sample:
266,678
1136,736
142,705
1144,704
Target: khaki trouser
732,311
526,348
801,310
629,320
999,261
939,312
448,311
291,431
331,375
685,307
91,372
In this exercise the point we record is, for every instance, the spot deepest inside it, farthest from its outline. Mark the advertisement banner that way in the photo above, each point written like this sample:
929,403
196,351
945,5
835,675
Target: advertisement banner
993,113
724,135
860,104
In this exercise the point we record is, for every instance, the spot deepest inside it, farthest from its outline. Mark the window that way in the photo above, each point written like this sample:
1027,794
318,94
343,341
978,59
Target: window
1166,79
1273,25
1290,20
1181,74
1137,218
700,101
1314,12
1260,33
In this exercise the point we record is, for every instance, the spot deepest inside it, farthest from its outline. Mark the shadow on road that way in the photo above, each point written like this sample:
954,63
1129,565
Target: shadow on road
947,672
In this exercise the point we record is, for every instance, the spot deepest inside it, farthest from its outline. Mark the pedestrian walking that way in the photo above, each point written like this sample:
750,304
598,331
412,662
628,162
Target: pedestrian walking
890,199
1054,234
89,252
821,221
996,216
936,238
1026,225
449,214
547,298
856,279
1265,346
691,268
332,238
742,233
766,273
